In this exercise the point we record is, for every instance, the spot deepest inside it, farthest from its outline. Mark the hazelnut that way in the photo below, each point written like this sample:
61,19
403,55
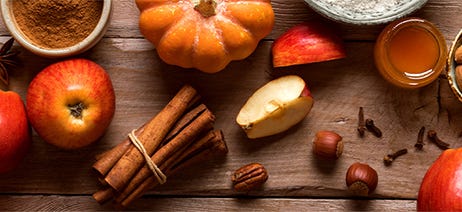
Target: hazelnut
458,73
361,179
328,145
458,55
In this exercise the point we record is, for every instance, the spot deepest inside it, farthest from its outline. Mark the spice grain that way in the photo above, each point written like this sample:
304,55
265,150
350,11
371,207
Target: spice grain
56,23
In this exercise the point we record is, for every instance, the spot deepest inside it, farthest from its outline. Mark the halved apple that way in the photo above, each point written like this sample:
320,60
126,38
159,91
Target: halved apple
275,107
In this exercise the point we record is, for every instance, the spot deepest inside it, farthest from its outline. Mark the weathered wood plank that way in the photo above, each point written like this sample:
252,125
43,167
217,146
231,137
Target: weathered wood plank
85,203
143,85
53,179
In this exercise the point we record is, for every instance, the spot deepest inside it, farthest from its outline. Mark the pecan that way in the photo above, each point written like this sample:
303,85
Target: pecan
249,177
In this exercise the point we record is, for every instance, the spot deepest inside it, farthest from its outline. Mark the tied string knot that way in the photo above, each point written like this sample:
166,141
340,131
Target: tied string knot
152,166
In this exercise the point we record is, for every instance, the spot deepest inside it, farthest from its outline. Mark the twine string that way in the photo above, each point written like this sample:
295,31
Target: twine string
152,166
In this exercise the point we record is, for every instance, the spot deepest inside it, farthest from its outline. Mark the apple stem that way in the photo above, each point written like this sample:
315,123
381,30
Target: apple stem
76,109
205,7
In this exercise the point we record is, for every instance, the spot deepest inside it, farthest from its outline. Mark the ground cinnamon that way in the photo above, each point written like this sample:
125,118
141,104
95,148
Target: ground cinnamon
57,23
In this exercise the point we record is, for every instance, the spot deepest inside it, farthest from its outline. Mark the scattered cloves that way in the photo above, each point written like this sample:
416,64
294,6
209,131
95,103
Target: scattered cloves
372,128
419,144
361,123
434,138
391,157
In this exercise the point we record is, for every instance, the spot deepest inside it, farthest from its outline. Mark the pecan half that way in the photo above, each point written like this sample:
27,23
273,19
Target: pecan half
249,177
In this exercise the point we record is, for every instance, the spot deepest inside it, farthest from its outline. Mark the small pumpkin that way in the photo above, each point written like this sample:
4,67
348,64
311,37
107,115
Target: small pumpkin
205,34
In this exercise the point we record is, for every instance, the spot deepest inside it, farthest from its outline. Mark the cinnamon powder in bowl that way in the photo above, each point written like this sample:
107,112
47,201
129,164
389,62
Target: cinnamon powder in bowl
56,28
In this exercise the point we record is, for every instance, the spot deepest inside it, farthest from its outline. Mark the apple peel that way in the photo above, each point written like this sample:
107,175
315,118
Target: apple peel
308,42
275,107
441,187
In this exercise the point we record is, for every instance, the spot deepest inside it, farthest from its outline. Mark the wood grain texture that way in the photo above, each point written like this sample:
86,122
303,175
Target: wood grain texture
85,203
53,179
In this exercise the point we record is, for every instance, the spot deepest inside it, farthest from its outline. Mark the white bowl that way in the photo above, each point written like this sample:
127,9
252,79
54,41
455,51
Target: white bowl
365,12
92,39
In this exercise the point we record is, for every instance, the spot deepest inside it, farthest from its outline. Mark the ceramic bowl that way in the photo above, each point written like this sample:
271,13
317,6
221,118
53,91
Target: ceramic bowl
92,39
365,12
451,67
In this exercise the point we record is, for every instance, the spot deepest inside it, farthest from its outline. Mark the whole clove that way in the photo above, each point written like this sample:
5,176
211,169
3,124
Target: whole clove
419,144
432,136
361,124
388,159
372,128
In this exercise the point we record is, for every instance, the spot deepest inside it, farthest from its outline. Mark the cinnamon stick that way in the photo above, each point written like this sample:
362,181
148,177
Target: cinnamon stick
103,195
200,125
185,121
151,137
108,159
180,126
194,155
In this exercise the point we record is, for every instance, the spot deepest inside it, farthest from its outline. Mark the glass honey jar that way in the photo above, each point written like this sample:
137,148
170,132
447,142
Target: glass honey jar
410,52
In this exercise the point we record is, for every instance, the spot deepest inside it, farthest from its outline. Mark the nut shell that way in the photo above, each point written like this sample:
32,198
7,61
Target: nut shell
361,179
328,145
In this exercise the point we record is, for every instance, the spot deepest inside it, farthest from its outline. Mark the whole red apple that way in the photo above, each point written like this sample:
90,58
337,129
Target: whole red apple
15,135
70,104
308,42
441,188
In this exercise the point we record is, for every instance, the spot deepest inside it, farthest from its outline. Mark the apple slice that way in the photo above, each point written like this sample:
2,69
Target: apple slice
308,42
275,107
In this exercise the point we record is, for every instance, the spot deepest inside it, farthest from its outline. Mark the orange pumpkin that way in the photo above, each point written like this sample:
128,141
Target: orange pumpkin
205,34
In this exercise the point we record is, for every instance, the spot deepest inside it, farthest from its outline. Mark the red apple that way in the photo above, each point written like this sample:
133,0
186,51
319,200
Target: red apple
15,135
70,104
308,42
441,188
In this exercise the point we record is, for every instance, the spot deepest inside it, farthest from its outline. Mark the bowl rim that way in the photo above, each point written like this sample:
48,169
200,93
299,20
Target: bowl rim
399,12
79,47
451,66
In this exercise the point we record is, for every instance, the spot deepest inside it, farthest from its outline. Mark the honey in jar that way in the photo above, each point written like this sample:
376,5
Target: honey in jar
410,52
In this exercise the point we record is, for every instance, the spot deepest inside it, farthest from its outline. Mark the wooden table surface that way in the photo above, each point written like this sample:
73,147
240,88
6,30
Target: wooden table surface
54,179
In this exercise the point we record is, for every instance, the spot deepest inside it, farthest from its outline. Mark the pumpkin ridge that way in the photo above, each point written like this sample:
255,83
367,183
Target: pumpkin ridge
258,3
207,43
198,61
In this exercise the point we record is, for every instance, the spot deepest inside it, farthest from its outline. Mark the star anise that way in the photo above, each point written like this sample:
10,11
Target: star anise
7,58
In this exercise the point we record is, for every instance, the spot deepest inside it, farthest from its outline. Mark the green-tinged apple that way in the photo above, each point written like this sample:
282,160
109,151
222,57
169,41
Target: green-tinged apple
15,133
308,42
71,103
275,107
441,187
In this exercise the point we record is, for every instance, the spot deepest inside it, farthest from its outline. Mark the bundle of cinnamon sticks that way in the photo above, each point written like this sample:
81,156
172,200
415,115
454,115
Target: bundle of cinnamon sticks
179,135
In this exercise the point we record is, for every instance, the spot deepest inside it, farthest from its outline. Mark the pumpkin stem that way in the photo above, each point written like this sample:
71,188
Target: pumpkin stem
205,7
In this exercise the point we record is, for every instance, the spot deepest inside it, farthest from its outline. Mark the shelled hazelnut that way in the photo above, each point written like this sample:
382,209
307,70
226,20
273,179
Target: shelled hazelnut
458,73
328,145
458,55
361,179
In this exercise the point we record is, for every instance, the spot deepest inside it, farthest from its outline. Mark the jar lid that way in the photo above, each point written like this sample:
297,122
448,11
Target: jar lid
410,52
